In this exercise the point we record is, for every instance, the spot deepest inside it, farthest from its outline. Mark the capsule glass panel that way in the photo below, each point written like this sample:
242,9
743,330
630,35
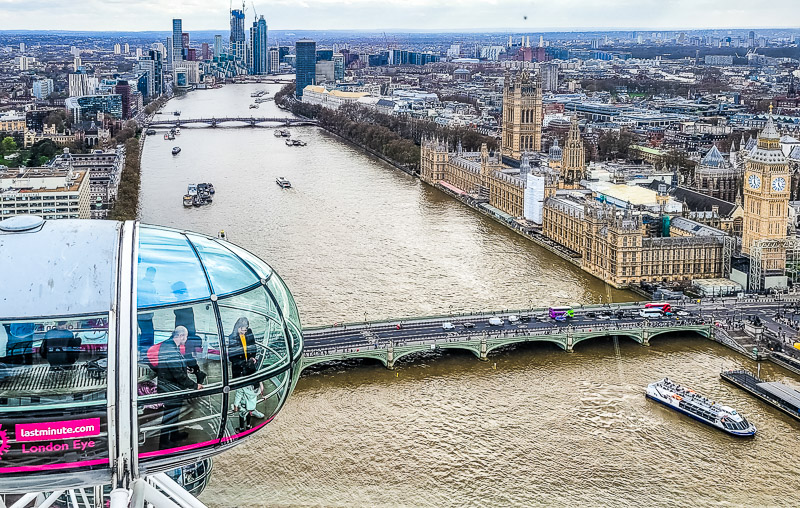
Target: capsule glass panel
226,271
55,360
169,270
255,336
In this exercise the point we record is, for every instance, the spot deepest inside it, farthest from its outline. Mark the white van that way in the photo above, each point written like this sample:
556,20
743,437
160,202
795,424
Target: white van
495,321
513,319
447,325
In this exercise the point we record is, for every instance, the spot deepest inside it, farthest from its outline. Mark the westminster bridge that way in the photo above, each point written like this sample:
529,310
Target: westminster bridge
747,326
232,121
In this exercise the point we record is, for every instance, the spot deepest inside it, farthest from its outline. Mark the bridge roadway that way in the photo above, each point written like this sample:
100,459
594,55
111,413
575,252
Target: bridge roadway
248,121
387,342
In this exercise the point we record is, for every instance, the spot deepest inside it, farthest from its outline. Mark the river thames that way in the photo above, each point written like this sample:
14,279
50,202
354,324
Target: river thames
356,239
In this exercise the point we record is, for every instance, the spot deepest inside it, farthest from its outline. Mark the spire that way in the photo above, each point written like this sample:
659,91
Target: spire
713,158
769,136
524,168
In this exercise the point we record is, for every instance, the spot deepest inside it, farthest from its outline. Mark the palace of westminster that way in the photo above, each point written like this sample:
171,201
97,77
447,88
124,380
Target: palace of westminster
625,229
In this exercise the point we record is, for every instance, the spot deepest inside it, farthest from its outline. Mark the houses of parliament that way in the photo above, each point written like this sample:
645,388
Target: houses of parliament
654,238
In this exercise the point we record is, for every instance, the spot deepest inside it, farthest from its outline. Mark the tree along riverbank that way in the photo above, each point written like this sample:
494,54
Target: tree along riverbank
398,139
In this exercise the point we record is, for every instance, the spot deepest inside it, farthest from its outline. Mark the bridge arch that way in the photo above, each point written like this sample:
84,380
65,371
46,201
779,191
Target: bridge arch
309,361
636,336
494,344
399,353
702,330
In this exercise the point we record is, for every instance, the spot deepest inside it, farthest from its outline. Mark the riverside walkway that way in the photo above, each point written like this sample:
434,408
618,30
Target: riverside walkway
387,341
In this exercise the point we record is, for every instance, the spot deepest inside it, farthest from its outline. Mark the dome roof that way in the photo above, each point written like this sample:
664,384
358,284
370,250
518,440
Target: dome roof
555,153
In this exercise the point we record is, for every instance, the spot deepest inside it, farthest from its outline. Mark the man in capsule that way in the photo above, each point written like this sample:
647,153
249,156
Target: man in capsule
173,376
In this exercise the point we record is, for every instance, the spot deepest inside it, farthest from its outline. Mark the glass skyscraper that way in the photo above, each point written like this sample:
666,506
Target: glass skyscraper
177,39
260,64
306,65
237,34
217,46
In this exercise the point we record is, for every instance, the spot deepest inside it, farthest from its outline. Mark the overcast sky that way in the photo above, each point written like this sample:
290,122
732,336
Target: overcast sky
533,15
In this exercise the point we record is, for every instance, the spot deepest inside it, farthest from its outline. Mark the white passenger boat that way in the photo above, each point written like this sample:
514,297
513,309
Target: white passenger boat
690,403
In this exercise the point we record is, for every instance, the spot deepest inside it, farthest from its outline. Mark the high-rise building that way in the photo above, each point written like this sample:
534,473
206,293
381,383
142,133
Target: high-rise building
218,46
549,76
158,76
185,40
123,89
177,40
237,40
76,63
258,42
117,49
274,60
751,39
306,62
766,200
81,84
338,67
22,47
522,114
42,88
205,51
169,52
126,48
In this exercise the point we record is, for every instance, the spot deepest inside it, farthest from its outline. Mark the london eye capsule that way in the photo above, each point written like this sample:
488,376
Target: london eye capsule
128,350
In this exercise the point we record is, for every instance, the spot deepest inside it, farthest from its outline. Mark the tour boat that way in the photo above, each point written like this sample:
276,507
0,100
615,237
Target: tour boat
285,133
700,408
176,113
283,182
253,106
187,200
176,150
277,133
177,130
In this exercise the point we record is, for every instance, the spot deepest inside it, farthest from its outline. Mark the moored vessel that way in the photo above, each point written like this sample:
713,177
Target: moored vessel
176,150
187,200
283,182
774,393
690,403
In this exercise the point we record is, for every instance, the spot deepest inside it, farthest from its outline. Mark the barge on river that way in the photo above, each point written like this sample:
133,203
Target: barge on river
690,403
776,394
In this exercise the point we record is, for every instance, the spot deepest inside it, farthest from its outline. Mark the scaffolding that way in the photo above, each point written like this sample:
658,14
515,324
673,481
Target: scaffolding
766,249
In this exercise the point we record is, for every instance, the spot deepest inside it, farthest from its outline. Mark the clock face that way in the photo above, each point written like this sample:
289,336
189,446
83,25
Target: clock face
778,184
754,181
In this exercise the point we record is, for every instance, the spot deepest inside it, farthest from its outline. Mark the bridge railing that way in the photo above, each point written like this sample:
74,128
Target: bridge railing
466,316
379,343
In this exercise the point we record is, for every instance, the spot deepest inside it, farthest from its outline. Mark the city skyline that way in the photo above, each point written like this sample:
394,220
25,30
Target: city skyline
396,15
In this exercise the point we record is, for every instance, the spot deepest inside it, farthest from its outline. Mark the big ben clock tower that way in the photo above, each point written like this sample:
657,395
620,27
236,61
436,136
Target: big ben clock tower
766,198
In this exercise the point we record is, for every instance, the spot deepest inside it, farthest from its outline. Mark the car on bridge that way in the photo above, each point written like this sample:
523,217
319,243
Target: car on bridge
513,318
447,325
468,325
495,321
